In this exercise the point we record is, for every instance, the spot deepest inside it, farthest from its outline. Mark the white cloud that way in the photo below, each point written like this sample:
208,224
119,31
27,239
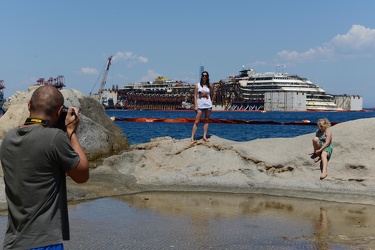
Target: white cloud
324,52
358,38
129,57
89,71
143,59
150,77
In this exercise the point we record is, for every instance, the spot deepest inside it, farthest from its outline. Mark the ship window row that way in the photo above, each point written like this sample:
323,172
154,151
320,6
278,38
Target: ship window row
277,83
261,87
273,78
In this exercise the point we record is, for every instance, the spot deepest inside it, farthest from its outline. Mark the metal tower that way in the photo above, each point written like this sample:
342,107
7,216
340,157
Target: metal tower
201,69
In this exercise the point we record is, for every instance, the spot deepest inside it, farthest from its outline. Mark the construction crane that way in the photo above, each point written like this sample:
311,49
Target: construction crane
104,77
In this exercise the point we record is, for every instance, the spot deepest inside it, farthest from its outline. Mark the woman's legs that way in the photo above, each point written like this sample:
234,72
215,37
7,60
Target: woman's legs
324,165
316,143
207,114
196,122
316,147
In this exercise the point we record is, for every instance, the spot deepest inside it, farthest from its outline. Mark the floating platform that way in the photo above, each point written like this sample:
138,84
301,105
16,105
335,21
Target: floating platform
224,121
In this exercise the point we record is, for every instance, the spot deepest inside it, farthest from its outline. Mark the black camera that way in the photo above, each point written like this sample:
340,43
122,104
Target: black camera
61,122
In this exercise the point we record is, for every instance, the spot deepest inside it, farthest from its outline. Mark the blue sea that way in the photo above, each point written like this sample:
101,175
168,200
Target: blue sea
142,132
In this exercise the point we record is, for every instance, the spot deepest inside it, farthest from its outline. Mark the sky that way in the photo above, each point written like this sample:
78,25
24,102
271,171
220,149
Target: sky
332,43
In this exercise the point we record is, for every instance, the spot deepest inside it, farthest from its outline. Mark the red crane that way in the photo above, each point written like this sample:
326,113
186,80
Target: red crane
57,82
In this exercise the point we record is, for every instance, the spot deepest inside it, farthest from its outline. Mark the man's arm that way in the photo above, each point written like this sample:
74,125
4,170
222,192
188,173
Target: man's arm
80,173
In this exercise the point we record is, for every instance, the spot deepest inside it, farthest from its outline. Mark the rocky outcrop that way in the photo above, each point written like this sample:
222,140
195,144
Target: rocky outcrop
97,133
279,167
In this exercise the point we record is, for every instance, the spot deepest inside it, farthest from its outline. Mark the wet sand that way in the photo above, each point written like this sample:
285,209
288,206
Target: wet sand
217,221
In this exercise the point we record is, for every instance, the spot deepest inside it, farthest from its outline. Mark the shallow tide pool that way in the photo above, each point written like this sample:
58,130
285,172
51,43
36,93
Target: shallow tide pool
182,220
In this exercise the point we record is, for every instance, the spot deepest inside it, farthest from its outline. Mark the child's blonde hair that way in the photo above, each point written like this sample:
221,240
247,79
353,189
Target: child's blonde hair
324,122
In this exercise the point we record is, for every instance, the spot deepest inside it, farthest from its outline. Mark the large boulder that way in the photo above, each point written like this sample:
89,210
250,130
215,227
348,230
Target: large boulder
99,136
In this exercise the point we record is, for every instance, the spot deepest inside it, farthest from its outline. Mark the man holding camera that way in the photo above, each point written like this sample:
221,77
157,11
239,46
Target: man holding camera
36,158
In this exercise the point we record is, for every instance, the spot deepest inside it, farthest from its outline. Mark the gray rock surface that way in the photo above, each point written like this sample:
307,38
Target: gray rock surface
279,167
272,166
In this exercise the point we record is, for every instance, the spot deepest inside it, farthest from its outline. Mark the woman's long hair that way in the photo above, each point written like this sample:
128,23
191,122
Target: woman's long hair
207,81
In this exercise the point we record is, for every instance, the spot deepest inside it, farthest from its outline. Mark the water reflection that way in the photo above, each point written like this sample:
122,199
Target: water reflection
277,221
321,230
218,221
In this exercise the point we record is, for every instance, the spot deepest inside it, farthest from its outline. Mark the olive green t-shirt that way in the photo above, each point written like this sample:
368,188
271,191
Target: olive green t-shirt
34,161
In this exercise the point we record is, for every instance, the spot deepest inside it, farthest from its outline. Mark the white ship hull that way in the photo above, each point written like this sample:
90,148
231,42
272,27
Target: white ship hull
254,85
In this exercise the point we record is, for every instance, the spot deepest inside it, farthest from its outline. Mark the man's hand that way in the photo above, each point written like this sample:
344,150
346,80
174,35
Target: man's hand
71,121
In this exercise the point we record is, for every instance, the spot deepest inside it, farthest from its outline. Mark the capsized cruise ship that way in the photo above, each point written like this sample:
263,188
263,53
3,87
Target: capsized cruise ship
162,93
255,87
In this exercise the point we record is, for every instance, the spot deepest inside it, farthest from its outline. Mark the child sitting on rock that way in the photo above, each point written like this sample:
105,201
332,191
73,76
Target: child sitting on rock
322,144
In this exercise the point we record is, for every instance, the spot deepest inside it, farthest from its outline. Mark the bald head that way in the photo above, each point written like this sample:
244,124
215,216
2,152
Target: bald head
45,102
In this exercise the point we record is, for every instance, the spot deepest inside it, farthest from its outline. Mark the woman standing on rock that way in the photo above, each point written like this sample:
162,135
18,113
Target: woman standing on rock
322,144
202,104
